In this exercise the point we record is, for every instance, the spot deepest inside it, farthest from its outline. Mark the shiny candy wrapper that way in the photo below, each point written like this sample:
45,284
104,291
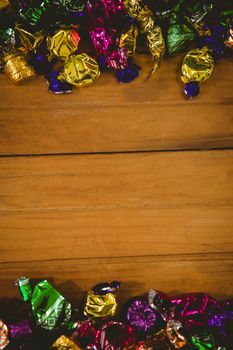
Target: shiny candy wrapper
4,3
64,343
114,336
203,342
129,40
194,309
80,70
101,303
49,307
17,68
172,330
140,316
197,66
33,14
145,19
63,43
228,42
179,35
159,341
84,333
3,335
56,86
30,41
128,74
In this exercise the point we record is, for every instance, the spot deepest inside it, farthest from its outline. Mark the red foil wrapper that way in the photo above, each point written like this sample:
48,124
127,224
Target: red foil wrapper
114,336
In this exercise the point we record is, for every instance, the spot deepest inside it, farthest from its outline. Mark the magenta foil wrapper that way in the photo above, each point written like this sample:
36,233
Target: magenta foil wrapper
194,309
104,19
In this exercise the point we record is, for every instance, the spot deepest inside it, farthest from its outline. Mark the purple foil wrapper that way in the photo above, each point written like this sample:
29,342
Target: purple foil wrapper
19,329
129,73
140,315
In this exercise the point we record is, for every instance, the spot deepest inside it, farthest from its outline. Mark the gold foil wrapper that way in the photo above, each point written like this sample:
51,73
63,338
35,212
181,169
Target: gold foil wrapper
80,70
197,66
100,306
64,343
17,68
63,43
201,28
129,40
4,3
147,26
28,40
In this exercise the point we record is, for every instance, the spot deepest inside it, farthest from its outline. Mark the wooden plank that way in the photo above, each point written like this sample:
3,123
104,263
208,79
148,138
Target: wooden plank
112,117
172,274
115,205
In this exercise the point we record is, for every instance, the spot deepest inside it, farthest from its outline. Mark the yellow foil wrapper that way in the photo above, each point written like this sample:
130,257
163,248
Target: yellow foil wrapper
4,3
147,26
197,66
63,43
17,68
64,343
129,40
100,306
80,70
28,40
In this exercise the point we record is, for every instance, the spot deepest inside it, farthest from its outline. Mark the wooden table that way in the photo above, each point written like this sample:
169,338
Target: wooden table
118,181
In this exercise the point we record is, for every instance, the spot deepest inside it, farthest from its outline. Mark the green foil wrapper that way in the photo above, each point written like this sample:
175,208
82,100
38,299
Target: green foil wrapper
203,342
49,307
179,35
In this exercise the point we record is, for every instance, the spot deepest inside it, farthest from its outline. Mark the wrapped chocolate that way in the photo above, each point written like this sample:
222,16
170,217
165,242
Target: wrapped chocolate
159,341
221,323
4,3
204,342
192,309
63,43
17,68
49,307
114,336
145,19
129,40
176,339
198,65
101,300
80,70
30,41
56,86
179,36
84,333
4,340
140,316
64,343
33,13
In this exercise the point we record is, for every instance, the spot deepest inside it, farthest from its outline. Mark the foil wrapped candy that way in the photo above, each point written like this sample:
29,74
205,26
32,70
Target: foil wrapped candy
101,301
49,308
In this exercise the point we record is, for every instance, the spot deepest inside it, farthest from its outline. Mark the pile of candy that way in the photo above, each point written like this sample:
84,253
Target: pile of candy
55,38
155,321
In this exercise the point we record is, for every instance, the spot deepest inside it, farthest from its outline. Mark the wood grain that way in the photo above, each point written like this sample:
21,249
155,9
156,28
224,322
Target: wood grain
172,274
111,117
116,205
